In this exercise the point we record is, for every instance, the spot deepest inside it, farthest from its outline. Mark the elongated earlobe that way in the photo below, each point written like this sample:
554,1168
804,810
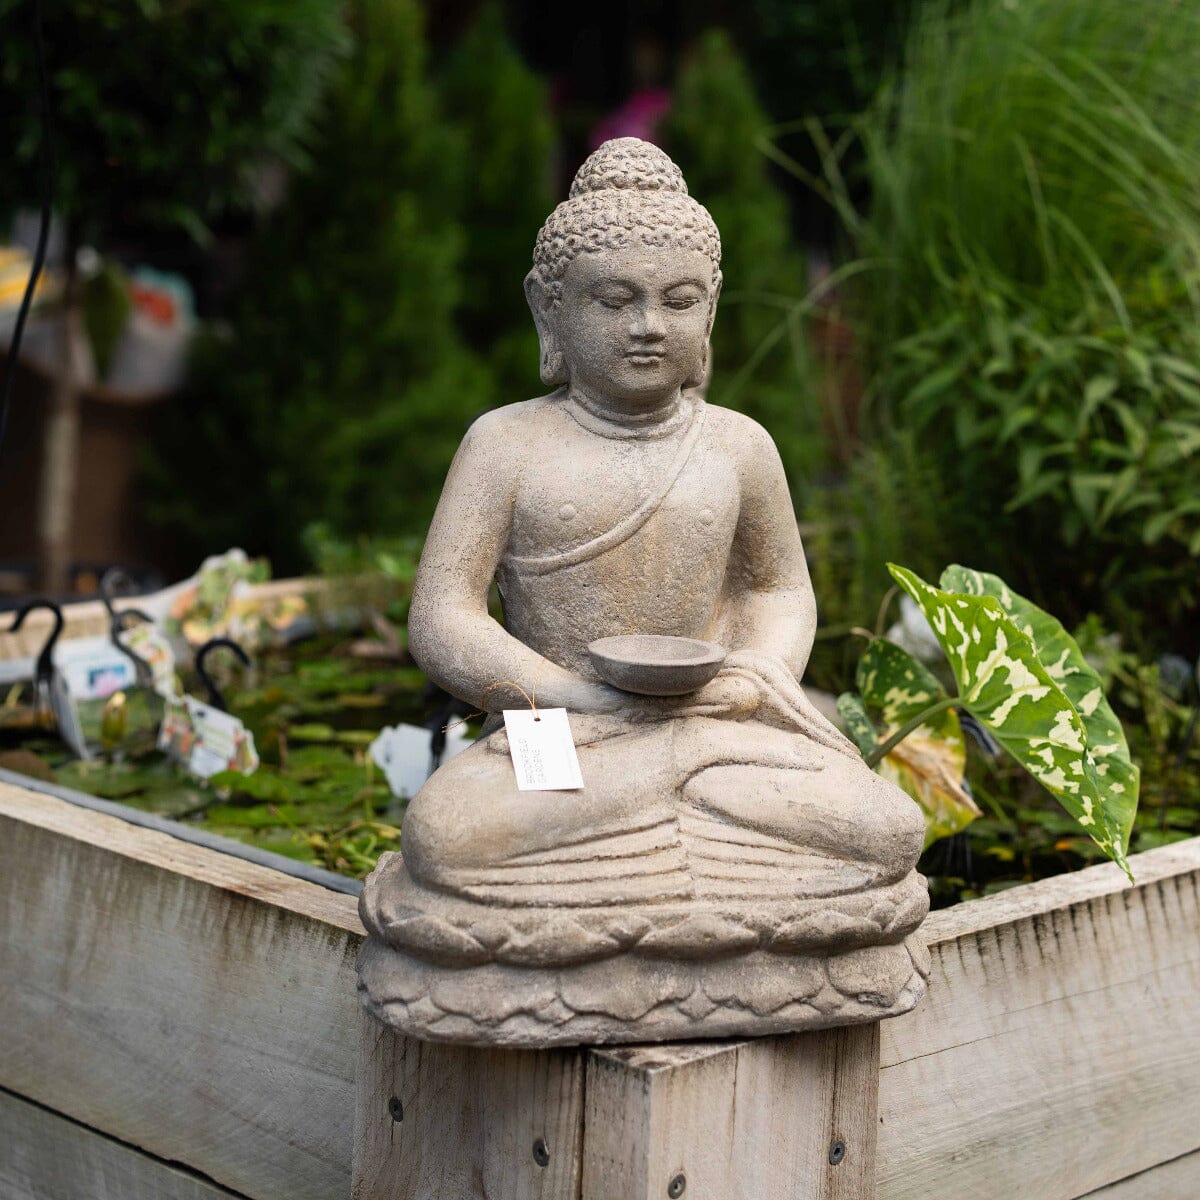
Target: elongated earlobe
699,378
553,365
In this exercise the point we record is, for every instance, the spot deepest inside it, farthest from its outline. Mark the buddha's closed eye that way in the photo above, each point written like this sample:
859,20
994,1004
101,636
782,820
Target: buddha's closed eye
614,297
681,297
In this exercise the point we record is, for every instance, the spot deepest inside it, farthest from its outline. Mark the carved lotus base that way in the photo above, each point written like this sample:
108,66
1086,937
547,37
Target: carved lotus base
445,967
634,999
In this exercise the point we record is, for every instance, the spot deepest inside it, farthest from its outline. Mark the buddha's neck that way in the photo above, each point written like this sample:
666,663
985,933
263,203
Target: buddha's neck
611,418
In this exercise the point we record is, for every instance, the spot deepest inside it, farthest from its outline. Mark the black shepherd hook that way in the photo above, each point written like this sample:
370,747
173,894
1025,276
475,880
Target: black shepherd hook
214,694
145,673
44,670
113,583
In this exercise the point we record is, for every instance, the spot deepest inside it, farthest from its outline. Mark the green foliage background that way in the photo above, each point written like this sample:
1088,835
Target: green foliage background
162,111
1031,312
347,379
715,132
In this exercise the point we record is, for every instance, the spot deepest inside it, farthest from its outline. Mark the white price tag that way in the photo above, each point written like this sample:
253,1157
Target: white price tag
206,740
543,750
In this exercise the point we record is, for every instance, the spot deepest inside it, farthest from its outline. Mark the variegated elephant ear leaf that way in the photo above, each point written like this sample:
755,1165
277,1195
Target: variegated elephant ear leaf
930,769
1117,776
896,684
858,724
929,763
1004,684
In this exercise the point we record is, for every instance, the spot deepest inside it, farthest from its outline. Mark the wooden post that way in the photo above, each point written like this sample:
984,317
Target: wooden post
782,1118
454,1123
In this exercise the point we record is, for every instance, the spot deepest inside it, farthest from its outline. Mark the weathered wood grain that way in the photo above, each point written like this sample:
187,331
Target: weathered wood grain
1059,1042
435,1122
203,1008
184,1001
46,1157
1178,1179
751,1120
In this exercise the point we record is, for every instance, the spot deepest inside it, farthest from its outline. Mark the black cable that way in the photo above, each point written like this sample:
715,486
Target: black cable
39,255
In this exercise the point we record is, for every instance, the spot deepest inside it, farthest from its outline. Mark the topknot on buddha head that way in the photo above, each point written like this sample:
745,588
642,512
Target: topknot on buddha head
629,164
627,191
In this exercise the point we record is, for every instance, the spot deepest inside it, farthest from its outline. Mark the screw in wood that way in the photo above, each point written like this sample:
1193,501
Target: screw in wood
837,1152
677,1186
396,1109
541,1155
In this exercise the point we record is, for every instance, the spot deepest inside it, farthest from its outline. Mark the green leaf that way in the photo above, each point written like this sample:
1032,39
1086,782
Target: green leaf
1120,492
1117,776
1087,489
1004,683
1098,390
311,732
1048,481
929,763
895,683
262,785
859,726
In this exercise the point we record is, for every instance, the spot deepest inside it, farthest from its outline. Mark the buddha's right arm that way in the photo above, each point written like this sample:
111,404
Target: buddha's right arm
473,657
451,634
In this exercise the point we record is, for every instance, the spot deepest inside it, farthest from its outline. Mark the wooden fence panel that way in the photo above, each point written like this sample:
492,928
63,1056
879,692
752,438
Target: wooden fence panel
182,1000
203,1009
1058,1050
1178,1179
46,1157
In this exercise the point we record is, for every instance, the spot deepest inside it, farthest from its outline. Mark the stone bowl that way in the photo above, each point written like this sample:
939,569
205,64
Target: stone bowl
653,664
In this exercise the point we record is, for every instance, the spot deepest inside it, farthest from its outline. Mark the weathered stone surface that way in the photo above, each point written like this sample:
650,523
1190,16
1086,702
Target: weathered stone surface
731,866
631,999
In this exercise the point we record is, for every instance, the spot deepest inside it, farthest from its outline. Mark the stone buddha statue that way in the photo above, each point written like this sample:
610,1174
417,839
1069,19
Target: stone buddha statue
731,865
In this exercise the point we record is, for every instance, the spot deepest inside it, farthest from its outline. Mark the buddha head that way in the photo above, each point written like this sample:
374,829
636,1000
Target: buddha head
626,275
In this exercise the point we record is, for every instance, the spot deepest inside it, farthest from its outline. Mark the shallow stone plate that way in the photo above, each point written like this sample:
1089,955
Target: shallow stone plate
654,664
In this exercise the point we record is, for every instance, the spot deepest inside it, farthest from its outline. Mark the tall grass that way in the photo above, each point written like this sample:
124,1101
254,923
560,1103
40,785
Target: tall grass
1033,317
1044,149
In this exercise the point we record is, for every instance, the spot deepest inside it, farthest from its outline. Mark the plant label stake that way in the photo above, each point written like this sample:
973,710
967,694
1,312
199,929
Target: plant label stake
204,738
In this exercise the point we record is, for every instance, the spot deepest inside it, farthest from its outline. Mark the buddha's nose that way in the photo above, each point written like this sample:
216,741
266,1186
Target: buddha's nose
648,324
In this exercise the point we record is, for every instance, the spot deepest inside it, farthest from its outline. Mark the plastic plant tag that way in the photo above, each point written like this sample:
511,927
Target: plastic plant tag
206,740
65,707
93,668
153,646
404,754
543,750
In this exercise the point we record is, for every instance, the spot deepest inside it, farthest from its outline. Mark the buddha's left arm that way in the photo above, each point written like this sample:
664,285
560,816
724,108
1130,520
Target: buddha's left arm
770,606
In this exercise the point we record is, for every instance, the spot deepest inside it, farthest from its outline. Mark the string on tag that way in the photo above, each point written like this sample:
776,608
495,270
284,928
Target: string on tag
530,697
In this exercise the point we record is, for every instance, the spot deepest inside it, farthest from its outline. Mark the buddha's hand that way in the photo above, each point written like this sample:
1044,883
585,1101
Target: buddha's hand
732,694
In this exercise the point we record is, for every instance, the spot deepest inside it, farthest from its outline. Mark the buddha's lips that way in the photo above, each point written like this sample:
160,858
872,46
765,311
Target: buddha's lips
645,356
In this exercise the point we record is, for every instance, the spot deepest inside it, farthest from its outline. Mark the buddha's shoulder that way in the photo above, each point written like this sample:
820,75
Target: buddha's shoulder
512,420
738,434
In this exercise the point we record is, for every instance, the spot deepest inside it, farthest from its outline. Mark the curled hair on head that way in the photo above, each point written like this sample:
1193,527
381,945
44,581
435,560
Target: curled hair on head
627,191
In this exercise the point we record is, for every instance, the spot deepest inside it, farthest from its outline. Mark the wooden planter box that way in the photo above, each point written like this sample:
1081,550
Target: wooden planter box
179,1022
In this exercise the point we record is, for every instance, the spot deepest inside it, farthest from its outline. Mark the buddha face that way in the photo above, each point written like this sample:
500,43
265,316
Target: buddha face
633,323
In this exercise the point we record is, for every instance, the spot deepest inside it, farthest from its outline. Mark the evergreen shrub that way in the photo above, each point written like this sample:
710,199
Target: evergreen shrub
716,131
342,387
